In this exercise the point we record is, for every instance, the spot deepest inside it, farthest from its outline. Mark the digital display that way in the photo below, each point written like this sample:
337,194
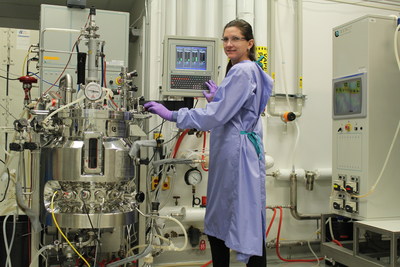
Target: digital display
191,58
348,97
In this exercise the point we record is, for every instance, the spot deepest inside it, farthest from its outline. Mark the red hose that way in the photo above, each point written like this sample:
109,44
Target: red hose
277,243
337,242
206,264
178,143
270,224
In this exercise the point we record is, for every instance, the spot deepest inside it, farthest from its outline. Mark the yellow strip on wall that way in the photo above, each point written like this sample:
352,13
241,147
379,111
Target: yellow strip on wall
51,58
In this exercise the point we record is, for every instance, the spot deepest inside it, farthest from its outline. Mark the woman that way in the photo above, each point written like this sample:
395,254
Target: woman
235,214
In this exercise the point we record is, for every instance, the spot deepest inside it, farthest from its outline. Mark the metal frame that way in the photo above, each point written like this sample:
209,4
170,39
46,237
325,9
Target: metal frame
352,257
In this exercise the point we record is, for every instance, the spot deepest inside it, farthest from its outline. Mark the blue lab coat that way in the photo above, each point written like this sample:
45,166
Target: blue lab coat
236,182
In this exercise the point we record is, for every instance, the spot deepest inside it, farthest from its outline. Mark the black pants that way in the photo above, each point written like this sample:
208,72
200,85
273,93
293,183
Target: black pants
220,254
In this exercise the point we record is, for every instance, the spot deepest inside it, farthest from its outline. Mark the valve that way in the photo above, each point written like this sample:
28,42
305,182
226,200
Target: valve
288,116
27,82
20,125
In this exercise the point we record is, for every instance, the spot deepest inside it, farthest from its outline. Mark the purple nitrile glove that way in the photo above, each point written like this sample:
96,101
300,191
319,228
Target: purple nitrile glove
212,88
159,109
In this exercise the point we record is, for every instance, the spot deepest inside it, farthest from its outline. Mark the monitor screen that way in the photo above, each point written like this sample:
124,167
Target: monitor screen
348,97
191,57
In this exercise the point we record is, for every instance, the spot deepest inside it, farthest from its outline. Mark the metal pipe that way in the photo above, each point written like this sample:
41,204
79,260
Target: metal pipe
93,46
293,243
293,202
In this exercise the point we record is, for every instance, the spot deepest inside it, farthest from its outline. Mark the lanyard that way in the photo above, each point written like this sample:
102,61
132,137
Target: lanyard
255,140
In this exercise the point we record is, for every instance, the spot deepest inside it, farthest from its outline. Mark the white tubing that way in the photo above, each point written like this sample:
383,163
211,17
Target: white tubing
5,239
12,238
296,142
396,51
62,108
183,229
9,247
39,252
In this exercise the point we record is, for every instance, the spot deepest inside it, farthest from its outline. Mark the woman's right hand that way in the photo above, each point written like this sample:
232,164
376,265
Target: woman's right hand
212,90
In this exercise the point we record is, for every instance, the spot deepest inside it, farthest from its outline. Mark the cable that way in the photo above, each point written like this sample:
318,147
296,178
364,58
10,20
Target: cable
155,127
139,17
61,232
10,79
66,65
87,213
166,142
40,78
69,59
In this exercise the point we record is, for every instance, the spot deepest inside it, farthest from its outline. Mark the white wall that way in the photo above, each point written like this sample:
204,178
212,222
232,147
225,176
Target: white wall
314,148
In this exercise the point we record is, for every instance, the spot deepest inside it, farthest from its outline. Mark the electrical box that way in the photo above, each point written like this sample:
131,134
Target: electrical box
58,52
366,94
189,62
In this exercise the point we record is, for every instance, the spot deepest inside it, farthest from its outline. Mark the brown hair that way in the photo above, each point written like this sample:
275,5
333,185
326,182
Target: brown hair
247,31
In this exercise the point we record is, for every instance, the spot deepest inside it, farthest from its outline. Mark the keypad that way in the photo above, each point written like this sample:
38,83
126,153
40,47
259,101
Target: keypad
189,82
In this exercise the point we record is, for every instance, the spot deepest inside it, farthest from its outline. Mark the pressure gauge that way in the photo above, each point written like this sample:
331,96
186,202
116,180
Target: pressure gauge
93,91
193,176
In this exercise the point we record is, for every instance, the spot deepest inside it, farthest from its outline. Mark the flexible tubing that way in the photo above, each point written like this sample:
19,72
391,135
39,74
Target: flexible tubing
8,261
9,247
270,224
331,228
312,251
61,108
203,164
295,143
206,264
383,167
277,243
183,229
178,143
12,238
61,232
38,253
396,51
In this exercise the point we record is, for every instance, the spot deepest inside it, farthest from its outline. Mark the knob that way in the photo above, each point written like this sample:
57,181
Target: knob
349,189
336,206
140,196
